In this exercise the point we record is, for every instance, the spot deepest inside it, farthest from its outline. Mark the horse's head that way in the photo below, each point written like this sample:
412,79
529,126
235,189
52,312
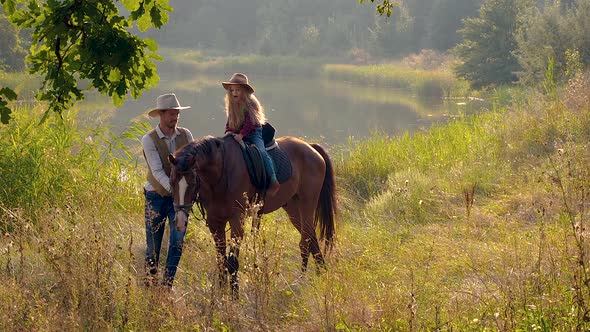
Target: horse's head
185,187
192,165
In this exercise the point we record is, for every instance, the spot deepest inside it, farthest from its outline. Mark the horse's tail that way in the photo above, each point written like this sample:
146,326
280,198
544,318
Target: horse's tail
327,208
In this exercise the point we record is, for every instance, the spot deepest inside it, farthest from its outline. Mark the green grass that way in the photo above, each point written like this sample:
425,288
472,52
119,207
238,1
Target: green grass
423,83
58,164
466,150
476,225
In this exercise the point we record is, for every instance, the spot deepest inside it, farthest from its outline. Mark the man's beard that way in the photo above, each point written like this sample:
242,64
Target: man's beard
171,124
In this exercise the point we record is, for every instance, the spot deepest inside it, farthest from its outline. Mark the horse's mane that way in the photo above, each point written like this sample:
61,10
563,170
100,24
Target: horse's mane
202,147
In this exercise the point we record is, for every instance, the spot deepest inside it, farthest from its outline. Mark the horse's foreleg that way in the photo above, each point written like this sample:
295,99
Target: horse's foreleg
218,232
233,264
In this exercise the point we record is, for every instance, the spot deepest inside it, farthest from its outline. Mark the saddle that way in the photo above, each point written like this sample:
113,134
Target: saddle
255,164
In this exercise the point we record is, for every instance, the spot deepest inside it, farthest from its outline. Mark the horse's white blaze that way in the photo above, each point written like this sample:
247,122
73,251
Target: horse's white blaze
182,185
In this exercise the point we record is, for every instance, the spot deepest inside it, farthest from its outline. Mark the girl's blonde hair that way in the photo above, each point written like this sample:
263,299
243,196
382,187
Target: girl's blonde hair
235,111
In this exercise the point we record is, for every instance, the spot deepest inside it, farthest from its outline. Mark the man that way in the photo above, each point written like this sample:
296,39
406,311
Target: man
157,144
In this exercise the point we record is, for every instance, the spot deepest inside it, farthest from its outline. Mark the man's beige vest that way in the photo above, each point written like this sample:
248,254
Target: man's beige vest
163,151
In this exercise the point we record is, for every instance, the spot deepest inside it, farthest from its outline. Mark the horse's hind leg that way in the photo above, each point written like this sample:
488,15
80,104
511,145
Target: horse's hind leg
303,221
308,230
314,246
292,209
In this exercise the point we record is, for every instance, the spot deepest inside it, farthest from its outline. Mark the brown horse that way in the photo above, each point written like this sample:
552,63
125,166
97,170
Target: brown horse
212,172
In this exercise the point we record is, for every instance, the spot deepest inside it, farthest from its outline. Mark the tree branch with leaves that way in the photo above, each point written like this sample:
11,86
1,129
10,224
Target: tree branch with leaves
87,41
384,7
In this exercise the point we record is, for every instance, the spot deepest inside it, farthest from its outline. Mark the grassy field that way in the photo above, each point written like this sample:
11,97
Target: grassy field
476,225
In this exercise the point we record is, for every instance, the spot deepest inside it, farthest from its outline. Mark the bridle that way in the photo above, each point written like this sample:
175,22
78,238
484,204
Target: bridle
187,208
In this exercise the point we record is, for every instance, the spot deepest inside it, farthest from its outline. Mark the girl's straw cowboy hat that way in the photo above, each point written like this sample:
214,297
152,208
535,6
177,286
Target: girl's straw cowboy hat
166,102
238,79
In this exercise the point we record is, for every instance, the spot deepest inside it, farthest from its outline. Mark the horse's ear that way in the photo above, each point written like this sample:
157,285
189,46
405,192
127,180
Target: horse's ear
171,159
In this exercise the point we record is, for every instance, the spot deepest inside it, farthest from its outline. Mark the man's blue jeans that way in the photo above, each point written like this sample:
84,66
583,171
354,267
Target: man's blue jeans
157,209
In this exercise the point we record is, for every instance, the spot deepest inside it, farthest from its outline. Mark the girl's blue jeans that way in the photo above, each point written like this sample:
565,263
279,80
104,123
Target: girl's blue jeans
157,209
256,139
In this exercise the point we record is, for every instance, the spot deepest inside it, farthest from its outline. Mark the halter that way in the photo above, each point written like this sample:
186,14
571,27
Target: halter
186,208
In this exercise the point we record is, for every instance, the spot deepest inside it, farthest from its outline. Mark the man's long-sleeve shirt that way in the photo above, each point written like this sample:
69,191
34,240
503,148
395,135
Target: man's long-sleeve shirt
153,158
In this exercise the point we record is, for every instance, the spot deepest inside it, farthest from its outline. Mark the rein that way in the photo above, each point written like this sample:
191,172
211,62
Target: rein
201,209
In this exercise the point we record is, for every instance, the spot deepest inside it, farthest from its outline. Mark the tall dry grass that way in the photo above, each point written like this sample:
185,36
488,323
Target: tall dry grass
414,252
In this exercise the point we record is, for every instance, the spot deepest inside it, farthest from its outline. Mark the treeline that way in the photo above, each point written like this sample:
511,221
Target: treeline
494,41
517,40
313,28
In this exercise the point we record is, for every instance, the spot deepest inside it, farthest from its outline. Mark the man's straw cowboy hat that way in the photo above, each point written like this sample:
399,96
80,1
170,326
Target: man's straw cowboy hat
166,102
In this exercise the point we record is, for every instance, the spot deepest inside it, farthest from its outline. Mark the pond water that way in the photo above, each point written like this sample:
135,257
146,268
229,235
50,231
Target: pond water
328,112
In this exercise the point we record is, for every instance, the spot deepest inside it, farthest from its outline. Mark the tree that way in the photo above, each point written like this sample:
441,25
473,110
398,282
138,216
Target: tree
87,40
486,52
553,32
541,36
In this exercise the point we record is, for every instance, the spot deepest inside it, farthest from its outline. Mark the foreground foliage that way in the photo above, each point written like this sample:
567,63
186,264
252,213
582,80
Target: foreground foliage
480,224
